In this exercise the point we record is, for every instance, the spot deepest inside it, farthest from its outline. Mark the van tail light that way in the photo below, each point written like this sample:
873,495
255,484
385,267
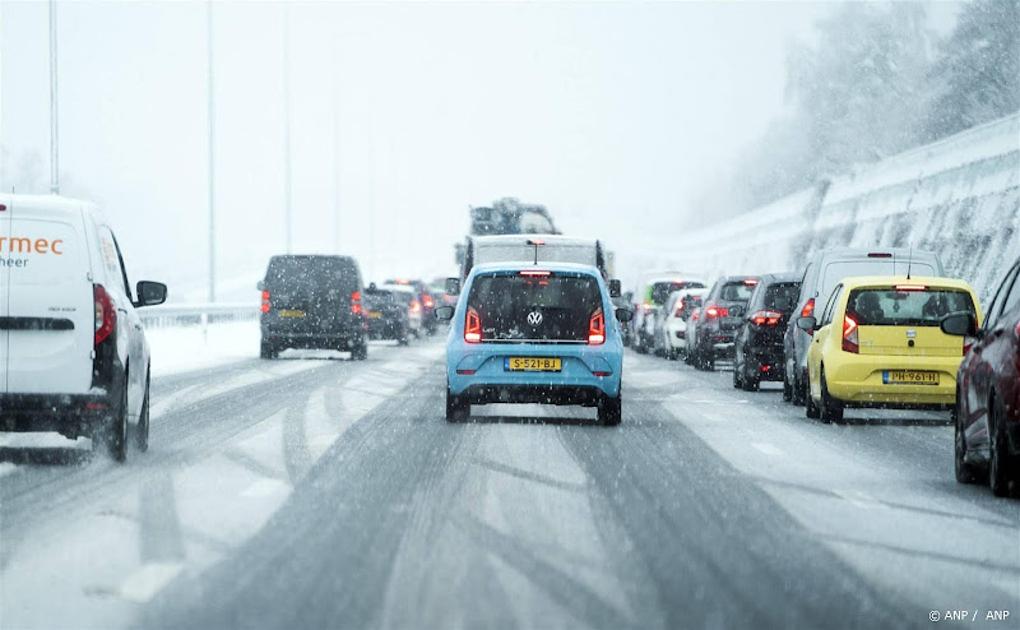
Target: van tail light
808,311
106,314
713,312
851,340
597,328
428,301
472,326
265,301
766,318
356,302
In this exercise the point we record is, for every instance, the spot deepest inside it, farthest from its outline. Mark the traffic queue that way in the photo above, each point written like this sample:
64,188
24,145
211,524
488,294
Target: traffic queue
856,329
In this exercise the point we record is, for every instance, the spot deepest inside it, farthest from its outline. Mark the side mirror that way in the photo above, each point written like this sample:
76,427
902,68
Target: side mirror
150,293
624,315
615,289
444,313
260,285
372,289
453,287
959,325
807,324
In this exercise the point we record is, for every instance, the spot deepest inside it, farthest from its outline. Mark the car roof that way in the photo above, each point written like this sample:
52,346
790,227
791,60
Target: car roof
401,288
691,291
524,265
855,282
780,278
48,204
900,253
522,239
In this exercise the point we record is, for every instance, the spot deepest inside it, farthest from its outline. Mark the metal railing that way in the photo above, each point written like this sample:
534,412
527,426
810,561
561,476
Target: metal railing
171,315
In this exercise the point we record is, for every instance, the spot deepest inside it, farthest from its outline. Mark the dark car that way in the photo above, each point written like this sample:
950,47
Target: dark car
387,313
758,347
312,302
719,319
987,415
425,298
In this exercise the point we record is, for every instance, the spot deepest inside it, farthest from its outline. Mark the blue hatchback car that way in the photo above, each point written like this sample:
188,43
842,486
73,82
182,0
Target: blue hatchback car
534,333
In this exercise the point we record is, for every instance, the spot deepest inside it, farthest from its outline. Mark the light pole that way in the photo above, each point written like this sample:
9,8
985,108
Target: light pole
211,146
54,138
336,155
288,229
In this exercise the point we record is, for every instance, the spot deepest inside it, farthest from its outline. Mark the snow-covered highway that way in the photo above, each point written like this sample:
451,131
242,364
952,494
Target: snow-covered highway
318,492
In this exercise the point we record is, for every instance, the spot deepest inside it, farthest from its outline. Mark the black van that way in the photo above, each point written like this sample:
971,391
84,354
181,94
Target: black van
313,302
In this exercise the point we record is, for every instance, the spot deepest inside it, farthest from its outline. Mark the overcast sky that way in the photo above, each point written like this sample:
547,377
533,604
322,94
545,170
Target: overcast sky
613,115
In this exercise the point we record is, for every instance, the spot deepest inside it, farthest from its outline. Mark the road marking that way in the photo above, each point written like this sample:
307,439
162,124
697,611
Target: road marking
264,488
767,448
859,499
149,579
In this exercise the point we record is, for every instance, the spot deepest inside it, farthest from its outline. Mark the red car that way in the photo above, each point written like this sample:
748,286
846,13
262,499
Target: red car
987,416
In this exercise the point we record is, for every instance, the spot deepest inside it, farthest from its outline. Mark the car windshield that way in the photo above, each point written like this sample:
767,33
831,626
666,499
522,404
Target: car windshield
893,307
553,308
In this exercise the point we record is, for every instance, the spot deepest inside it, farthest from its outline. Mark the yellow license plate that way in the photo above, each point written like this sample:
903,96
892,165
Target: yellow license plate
910,377
291,313
534,364
374,314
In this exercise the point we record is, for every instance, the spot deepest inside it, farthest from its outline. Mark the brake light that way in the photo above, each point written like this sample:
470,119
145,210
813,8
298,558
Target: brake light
808,311
851,340
751,282
428,301
714,311
679,312
415,306
265,301
911,287
535,273
766,318
879,255
356,302
106,314
472,326
597,328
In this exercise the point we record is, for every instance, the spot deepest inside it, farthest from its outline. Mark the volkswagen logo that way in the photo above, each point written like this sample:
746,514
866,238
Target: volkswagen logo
535,318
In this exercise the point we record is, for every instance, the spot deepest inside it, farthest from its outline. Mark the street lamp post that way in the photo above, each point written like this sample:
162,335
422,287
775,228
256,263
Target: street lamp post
211,146
54,138
288,228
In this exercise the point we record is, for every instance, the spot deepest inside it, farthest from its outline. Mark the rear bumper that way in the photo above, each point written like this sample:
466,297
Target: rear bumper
71,415
312,341
858,381
767,361
585,396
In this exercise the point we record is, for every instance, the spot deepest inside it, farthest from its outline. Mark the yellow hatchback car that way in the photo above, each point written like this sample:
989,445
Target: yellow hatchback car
878,343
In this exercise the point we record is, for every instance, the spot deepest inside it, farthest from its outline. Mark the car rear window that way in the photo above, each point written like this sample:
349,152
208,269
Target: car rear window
782,297
895,307
736,291
660,291
309,272
834,272
554,308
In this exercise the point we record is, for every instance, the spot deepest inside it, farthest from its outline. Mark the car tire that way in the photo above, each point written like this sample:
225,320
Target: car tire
113,432
830,409
800,390
1000,470
748,383
965,473
787,388
610,410
457,409
738,382
267,350
810,409
359,352
142,427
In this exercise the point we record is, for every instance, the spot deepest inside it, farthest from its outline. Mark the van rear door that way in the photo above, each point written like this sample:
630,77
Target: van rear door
5,282
50,318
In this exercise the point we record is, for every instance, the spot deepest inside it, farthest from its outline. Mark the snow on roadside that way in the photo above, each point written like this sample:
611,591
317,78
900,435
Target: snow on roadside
187,348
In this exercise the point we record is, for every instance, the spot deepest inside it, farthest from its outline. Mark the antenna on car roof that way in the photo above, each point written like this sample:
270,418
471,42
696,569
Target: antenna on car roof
534,242
910,260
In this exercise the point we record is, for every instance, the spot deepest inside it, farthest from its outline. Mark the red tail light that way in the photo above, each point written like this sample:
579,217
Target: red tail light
808,311
851,340
472,326
415,306
766,318
597,328
539,273
356,302
265,301
714,311
679,312
911,287
106,314
428,301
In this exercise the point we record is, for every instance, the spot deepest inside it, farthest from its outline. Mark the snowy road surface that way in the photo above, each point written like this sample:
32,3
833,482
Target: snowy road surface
316,492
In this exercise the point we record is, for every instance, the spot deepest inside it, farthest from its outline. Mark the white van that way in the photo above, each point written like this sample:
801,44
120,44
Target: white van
73,355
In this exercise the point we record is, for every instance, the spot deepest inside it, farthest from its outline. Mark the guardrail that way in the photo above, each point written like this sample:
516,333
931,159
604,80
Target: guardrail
171,315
